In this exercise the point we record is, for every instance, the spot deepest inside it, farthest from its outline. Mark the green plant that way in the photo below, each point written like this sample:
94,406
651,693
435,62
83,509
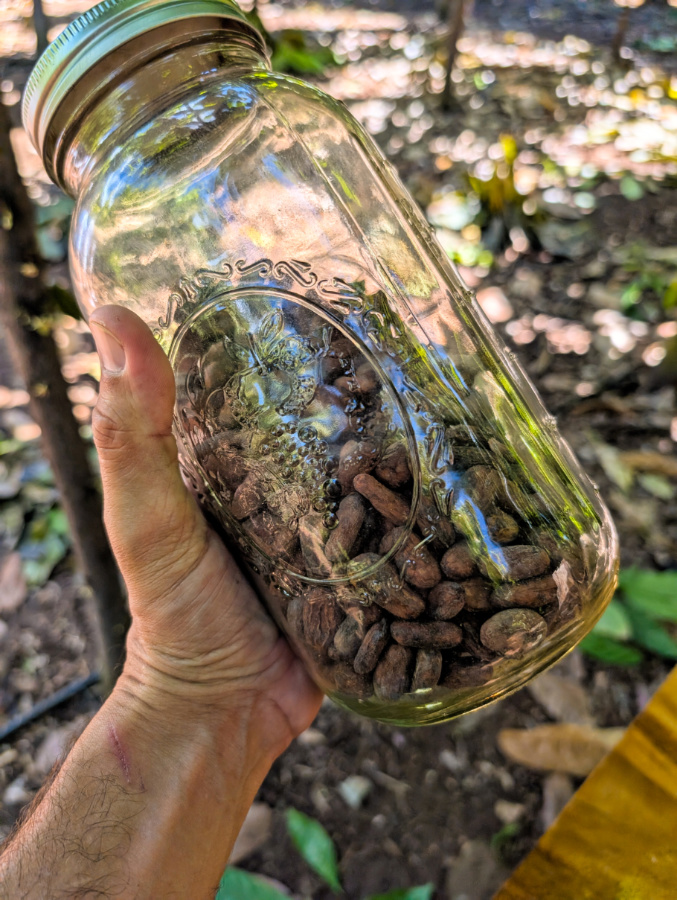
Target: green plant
319,851
642,616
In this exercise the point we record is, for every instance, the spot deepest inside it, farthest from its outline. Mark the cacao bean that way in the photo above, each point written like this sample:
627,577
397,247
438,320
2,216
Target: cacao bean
427,635
347,681
446,600
428,669
374,643
347,640
432,524
391,678
312,535
355,457
483,484
350,515
532,593
394,466
468,676
295,616
477,594
513,632
321,618
502,528
518,562
387,589
272,534
457,562
249,497
391,506
415,563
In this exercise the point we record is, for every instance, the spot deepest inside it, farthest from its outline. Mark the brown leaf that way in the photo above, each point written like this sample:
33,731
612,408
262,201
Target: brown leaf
650,461
253,834
575,749
13,588
562,699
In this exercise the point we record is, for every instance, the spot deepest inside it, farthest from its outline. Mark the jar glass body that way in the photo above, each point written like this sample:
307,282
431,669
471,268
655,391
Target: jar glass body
345,415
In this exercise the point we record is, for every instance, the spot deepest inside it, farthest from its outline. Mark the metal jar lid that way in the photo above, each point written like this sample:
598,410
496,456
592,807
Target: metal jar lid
101,30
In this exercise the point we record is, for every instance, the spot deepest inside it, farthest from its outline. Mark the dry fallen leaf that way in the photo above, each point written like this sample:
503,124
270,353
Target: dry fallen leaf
253,834
650,461
561,698
12,584
565,747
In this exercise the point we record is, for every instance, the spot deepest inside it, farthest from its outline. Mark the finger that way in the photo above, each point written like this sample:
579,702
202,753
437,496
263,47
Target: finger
155,527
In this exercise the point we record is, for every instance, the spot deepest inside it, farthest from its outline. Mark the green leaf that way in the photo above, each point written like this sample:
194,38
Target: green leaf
237,884
314,845
631,189
653,593
423,892
614,623
670,295
658,485
651,635
610,651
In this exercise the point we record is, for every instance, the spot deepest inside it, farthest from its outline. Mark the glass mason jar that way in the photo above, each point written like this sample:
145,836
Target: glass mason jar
345,414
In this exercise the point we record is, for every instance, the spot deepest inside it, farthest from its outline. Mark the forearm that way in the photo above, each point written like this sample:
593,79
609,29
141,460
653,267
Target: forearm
147,804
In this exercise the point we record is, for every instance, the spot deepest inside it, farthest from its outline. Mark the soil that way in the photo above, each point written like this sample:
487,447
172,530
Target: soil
431,812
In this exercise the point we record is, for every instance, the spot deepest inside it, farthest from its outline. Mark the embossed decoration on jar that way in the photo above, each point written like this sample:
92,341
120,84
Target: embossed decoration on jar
281,411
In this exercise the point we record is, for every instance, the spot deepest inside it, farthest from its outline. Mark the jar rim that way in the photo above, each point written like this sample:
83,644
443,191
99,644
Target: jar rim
98,32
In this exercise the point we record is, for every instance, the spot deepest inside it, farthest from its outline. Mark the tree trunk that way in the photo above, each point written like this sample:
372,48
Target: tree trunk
455,19
41,25
22,308
619,37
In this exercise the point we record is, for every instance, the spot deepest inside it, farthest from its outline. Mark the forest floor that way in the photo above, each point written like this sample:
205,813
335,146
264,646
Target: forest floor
552,184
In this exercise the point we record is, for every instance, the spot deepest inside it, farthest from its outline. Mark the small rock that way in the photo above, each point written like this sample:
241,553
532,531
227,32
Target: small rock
57,743
8,757
509,812
254,832
354,790
4,630
558,789
16,794
452,761
311,737
475,874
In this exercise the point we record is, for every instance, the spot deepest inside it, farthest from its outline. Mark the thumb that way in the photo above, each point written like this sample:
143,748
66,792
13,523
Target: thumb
156,530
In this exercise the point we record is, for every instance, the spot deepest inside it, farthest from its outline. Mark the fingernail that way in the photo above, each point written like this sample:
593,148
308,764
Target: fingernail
110,350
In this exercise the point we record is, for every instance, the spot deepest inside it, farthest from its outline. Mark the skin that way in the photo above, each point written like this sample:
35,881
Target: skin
151,798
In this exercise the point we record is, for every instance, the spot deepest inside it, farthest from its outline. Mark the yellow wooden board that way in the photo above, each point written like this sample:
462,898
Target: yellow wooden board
617,838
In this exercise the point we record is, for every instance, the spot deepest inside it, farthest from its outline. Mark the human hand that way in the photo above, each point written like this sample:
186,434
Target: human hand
200,640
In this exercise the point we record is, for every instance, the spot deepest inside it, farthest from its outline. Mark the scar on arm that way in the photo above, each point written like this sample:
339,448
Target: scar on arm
122,757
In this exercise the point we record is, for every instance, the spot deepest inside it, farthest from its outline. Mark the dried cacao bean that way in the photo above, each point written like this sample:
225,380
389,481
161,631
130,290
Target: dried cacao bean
457,562
428,669
477,594
391,506
432,524
518,562
414,561
350,516
394,466
347,640
355,457
374,643
502,528
249,497
347,681
272,534
391,678
312,535
513,632
483,484
387,589
427,635
533,593
446,600
321,618
468,676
